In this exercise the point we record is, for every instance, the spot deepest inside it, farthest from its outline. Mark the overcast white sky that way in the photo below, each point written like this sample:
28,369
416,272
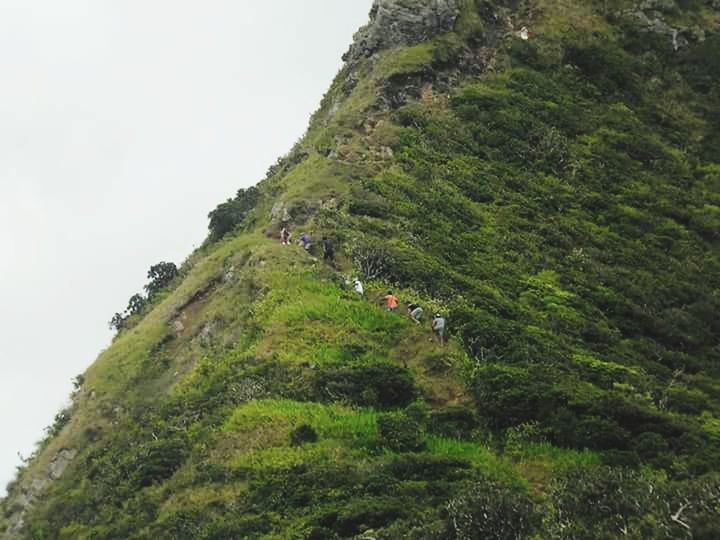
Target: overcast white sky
122,124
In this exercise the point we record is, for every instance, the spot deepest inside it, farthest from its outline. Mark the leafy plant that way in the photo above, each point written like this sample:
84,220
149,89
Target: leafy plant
160,276
303,434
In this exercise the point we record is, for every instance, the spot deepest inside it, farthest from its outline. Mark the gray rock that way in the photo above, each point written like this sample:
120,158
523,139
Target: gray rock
59,464
279,212
394,23
657,25
25,499
663,6
206,333
229,275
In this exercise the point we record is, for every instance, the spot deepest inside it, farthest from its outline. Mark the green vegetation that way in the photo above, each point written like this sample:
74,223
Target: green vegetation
161,276
232,213
556,199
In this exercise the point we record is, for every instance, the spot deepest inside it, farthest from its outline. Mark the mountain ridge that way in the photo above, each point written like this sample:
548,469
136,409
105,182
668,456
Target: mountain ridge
547,177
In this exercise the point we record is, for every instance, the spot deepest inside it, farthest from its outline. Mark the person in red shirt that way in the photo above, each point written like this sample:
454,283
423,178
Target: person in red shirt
391,301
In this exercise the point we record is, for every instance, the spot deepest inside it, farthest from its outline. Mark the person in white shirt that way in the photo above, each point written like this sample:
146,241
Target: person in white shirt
358,287
438,326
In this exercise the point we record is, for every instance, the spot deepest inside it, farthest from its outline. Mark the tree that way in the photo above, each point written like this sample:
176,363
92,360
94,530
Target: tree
118,322
136,304
231,213
160,276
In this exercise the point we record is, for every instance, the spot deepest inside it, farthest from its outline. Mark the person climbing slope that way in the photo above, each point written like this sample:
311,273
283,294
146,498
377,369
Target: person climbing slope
438,326
305,241
391,301
328,249
415,312
358,287
285,236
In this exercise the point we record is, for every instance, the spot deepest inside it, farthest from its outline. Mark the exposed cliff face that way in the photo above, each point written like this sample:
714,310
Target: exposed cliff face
546,177
395,23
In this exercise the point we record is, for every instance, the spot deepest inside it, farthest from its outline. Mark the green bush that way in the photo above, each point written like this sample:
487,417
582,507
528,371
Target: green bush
490,509
400,433
429,467
359,515
160,276
228,215
649,445
687,401
455,421
158,460
599,502
376,385
508,396
303,434
609,67
248,526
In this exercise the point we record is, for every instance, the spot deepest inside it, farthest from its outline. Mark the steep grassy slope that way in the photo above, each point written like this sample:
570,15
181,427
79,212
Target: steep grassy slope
557,198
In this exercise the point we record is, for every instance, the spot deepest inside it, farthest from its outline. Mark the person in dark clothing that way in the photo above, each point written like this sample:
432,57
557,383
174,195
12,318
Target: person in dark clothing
328,250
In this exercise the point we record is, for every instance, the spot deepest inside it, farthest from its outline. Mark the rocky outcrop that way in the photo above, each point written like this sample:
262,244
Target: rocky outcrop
60,463
649,16
279,213
26,497
395,23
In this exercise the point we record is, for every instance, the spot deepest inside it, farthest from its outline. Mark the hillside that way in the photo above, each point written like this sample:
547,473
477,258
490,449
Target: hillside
545,175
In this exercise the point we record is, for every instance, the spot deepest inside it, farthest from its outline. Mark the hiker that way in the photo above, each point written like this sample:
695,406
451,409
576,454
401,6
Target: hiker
358,287
328,250
391,301
305,241
438,326
415,312
285,236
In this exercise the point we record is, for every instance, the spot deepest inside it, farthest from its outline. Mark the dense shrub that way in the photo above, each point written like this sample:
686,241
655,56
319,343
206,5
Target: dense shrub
604,502
160,276
303,434
59,422
455,421
138,302
228,215
508,396
428,467
158,460
365,513
400,433
490,509
375,385
687,401
247,526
